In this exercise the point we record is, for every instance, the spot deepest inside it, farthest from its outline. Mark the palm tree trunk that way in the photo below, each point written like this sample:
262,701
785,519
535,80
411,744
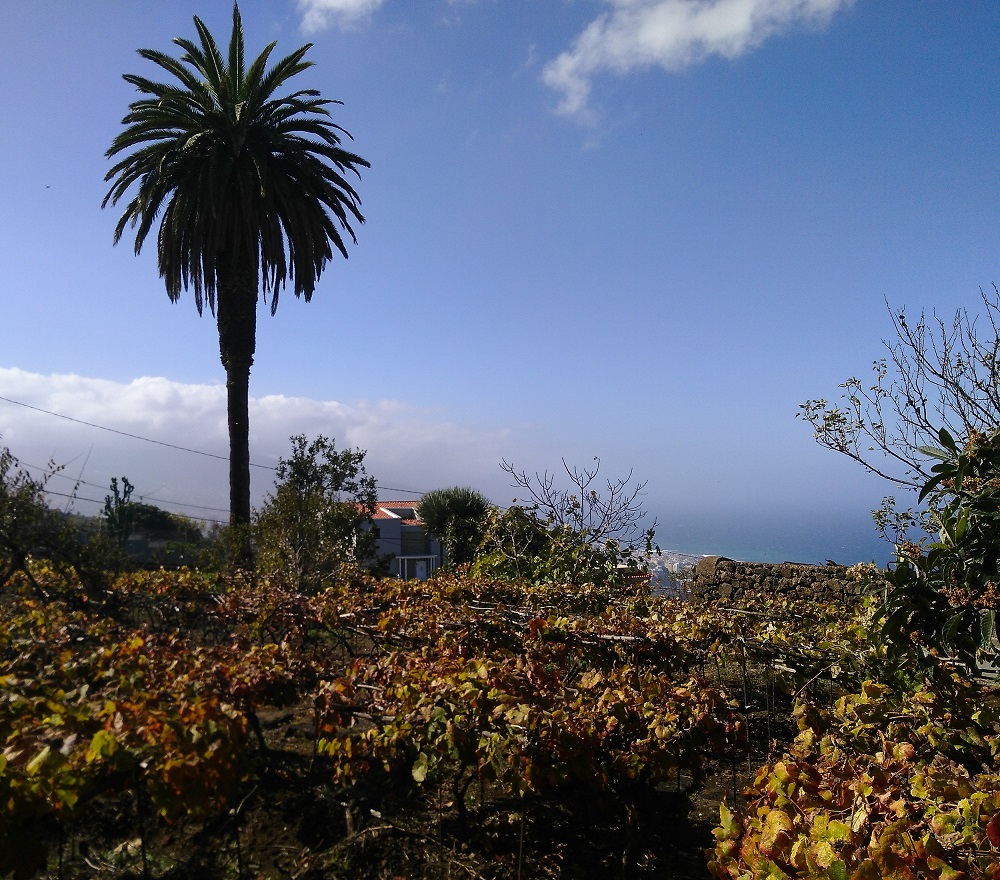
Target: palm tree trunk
237,319
238,410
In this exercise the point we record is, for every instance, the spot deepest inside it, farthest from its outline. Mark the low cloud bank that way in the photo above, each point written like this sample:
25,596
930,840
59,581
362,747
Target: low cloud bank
407,448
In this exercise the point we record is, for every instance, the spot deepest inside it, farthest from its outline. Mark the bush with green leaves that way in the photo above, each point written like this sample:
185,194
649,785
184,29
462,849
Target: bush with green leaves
29,528
517,543
578,534
942,595
27,525
312,523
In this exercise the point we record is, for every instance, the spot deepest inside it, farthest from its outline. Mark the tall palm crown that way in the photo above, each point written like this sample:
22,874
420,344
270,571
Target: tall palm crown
250,188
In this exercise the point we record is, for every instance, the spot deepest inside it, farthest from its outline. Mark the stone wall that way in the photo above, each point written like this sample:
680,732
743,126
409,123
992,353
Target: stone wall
717,577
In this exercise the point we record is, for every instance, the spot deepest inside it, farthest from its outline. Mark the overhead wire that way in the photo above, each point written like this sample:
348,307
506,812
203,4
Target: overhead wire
80,482
75,497
127,434
157,443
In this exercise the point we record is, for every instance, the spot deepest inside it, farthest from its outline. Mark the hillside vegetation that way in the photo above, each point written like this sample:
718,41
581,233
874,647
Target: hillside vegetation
502,720
194,724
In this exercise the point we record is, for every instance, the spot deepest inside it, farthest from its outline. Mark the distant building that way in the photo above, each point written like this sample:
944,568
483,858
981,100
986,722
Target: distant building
400,534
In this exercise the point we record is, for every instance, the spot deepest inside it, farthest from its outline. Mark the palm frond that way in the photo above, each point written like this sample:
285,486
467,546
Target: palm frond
236,56
211,62
235,175
174,67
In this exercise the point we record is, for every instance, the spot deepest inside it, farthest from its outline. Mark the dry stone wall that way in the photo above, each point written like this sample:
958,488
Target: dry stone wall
716,577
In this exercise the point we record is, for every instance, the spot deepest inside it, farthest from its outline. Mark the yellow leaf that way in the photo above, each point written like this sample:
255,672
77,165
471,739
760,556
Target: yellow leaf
34,765
824,854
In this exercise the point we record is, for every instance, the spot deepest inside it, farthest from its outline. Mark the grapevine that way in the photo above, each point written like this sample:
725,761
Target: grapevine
165,692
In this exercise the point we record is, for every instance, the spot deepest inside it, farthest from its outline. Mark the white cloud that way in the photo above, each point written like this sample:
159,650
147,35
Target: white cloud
671,34
407,448
319,14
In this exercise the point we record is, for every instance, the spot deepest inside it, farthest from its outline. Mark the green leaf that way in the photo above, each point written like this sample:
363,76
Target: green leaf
934,452
35,764
101,746
987,629
419,770
837,870
838,830
729,824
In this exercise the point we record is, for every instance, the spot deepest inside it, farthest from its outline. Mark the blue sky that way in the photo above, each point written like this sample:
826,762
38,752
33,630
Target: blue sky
645,230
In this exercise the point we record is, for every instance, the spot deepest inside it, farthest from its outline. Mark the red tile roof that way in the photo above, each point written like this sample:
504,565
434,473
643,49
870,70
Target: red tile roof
402,510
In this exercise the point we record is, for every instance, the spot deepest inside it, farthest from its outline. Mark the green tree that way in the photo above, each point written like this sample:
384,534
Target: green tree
455,516
936,373
155,522
27,525
251,193
120,511
942,596
930,422
518,543
314,521
29,529
164,538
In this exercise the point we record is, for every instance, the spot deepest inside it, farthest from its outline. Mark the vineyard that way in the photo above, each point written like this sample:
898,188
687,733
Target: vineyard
187,724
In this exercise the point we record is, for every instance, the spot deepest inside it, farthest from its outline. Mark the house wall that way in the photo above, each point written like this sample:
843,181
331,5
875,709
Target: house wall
414,541
389,540
397,540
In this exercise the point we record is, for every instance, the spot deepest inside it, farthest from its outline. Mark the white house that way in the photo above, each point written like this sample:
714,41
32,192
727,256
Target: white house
401,534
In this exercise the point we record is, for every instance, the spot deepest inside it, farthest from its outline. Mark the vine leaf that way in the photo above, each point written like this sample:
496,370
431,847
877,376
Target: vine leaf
993,830
419,770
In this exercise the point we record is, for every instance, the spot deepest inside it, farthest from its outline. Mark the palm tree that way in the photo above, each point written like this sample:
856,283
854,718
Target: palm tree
252,191
455,515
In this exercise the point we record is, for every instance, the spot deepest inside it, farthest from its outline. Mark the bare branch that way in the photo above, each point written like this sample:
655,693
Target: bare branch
612,512
937,374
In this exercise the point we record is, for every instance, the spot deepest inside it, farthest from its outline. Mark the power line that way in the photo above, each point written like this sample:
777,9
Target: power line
81,482
76,497
47,412
167,445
